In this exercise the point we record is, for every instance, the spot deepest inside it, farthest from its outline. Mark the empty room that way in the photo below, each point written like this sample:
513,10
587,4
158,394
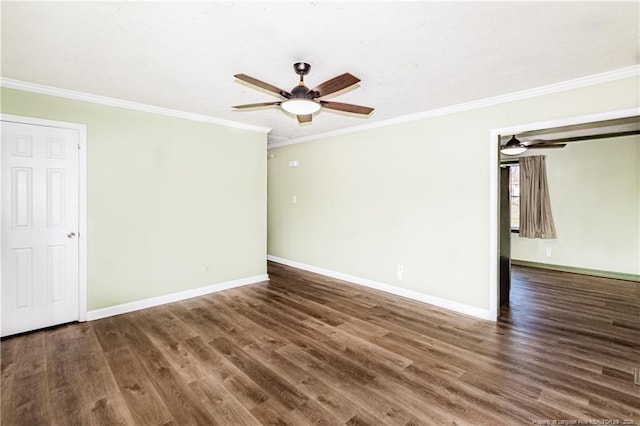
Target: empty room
339,213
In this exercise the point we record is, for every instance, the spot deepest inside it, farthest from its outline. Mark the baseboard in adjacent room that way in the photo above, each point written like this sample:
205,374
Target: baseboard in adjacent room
388,288
173,297
575,270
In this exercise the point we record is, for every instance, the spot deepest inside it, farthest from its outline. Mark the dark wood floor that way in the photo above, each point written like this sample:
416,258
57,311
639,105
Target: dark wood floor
306,349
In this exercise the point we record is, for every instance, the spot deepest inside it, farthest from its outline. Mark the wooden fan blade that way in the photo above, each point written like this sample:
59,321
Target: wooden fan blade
339,106
262,104
539,143
533,142
335,84
605,135
266,86
544,146
304,118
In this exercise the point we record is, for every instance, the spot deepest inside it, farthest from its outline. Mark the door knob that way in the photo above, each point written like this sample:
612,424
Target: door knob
71,234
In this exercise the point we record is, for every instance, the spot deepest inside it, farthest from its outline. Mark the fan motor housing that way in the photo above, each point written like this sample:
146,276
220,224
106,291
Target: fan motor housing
300,92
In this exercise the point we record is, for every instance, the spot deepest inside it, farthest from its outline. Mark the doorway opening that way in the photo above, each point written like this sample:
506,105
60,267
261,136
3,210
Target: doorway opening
555,132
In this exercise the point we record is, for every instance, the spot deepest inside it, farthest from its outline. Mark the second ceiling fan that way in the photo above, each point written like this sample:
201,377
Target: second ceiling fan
516,147
302,101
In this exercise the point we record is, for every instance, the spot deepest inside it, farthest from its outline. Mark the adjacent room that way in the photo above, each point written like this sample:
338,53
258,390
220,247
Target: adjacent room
342,213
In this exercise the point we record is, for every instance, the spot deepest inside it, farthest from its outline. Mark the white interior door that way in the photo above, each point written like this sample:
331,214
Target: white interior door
39,227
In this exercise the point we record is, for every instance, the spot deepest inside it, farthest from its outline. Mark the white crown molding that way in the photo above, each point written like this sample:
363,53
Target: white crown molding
104,100
173,297
387,288
633,71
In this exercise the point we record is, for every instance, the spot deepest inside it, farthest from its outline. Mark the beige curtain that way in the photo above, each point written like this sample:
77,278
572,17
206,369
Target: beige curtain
536,220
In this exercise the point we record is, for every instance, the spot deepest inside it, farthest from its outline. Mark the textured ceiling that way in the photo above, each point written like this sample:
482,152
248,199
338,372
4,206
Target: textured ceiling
411,57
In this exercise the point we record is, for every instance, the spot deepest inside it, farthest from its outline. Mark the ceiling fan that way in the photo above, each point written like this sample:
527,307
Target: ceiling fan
302,101
558,137
516,147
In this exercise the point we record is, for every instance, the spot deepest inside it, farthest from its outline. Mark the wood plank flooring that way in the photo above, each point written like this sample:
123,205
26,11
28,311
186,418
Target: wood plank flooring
306,349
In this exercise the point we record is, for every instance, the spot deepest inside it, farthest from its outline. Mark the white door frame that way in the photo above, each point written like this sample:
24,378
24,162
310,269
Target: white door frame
82,198
494,200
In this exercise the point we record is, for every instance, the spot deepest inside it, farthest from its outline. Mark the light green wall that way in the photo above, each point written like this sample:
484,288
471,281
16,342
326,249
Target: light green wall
166,197
413,194
595,197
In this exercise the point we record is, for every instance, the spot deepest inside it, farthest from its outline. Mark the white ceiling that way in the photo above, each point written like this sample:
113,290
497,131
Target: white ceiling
411,57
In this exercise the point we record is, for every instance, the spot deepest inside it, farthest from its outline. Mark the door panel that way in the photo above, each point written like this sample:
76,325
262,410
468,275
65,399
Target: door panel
39,227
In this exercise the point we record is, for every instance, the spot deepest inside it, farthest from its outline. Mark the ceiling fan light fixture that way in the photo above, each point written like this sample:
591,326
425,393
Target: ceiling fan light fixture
513,147
300,106
513,151
302,101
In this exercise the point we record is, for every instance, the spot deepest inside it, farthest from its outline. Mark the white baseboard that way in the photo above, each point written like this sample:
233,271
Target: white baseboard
173,297
388,288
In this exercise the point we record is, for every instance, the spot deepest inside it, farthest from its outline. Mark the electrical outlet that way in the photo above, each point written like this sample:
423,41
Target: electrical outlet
400,272
294,199
207,269
548,251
